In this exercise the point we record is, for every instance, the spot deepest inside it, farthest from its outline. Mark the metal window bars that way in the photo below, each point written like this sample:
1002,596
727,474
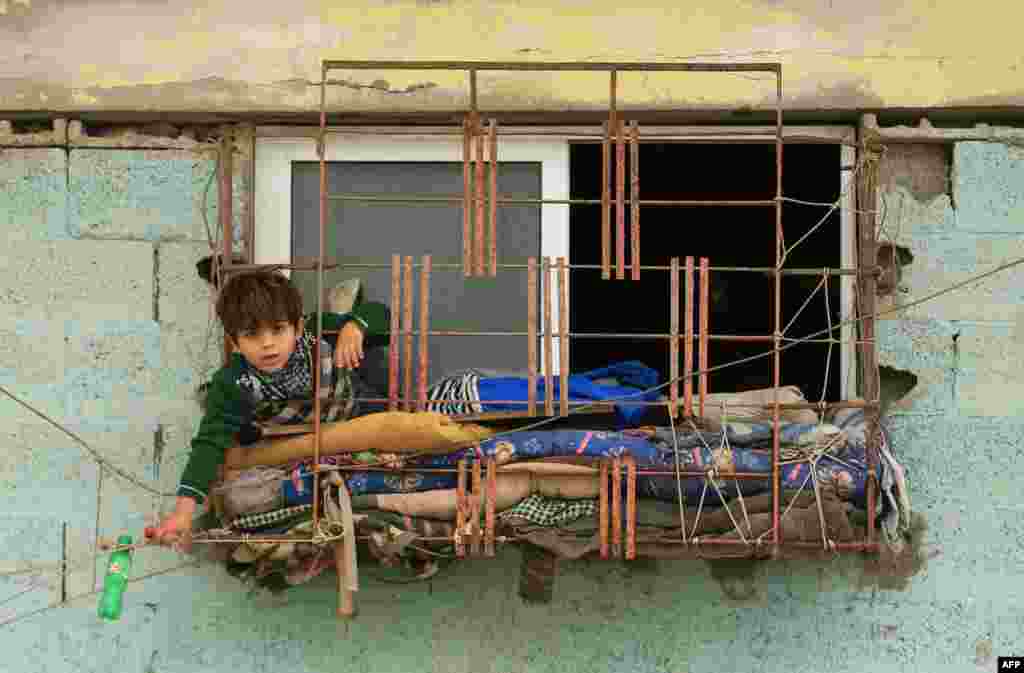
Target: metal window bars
480,200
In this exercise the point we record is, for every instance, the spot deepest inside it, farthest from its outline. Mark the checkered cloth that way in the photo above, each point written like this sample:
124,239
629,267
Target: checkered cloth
267,519
544,511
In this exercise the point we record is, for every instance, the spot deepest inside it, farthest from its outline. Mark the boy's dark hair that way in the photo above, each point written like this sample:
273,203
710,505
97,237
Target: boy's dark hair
252,298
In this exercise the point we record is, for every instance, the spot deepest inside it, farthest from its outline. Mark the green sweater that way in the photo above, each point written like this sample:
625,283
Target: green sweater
229,409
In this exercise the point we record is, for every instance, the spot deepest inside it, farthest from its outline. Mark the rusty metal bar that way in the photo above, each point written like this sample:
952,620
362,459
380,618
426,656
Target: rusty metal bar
549,405
602,510
393,342
630,507
867,194
309,264
493,145
407,320
617,507
619,335
688,348
531,335
553,66
777,357
634,182
467,227
424,353
563,337
460,509
492,498
606,221
673,344
441,199
620,211
225,201
475,506
317,368
704,320
481,225
595,404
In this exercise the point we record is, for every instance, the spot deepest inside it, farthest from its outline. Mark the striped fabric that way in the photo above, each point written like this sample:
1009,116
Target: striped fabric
456,395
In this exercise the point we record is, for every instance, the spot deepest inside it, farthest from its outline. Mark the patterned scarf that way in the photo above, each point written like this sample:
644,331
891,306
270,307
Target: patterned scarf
271,391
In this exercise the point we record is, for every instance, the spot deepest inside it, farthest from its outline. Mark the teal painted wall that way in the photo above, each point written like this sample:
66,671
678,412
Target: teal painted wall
103,325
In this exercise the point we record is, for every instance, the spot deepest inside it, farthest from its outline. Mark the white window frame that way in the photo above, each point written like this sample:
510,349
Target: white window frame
277,148
273,185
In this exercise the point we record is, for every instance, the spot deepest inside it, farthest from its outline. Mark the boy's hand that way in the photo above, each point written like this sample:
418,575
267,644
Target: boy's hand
176,528
349,353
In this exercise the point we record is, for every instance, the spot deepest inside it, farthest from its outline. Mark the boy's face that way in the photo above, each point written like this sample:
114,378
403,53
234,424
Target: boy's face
269,346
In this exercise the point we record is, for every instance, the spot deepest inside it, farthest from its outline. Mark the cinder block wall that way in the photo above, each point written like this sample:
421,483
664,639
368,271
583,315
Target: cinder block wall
104,327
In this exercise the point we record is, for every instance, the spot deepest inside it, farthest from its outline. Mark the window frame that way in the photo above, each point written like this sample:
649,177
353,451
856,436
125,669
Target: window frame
276,148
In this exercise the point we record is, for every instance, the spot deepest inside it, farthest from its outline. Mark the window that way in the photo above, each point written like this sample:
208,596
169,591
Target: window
560,167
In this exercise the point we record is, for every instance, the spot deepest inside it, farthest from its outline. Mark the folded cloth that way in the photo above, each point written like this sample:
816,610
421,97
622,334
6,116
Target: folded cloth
469,392
550,511
387,431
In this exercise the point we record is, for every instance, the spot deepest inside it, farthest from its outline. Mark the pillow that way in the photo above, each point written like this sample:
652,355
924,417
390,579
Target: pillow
342,297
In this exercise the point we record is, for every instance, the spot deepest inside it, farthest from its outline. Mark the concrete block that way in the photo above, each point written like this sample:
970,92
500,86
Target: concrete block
944,260
33,194
189,357
97,280
184,297
24,267
146,195
29,540
973,374
31,351
988,187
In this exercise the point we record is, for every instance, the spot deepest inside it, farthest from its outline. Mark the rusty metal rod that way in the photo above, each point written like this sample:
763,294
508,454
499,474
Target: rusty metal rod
777,359
549,406
616,507
531,334
673,357
481,225
493,146
634,183
553,66
467,227
475,507
624,335
563,337
704,320
308,265
524,201
603,508
688,347
606,222
424,352
460,508
492,497
620,197
630,507
407,329
850,404
393,342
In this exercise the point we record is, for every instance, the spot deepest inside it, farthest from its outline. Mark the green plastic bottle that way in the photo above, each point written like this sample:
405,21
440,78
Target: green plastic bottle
112,598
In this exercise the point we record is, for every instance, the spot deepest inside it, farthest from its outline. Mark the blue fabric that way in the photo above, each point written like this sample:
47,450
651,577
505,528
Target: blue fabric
635,376
750,452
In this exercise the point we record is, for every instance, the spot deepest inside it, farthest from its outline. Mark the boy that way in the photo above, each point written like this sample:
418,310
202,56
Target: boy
271,367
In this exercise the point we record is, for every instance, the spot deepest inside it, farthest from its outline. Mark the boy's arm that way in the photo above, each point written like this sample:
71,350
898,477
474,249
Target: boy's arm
373,317
225,415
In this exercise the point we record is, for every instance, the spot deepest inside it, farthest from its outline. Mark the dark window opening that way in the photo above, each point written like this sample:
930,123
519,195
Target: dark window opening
729,236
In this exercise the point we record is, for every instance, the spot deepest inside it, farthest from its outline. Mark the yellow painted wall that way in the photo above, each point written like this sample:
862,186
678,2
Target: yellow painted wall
216,55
